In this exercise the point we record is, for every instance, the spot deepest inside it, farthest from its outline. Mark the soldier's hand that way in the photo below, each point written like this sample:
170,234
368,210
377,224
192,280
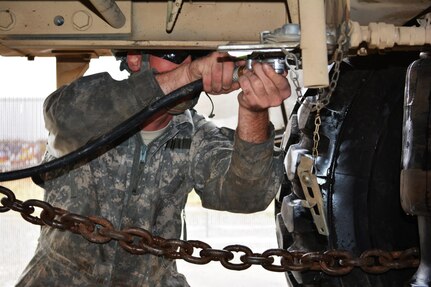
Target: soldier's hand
216,72
262,88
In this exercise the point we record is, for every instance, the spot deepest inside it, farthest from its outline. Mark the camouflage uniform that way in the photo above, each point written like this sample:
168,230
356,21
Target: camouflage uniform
227,173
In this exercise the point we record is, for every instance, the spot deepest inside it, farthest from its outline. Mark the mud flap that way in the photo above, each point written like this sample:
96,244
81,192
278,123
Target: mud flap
415,187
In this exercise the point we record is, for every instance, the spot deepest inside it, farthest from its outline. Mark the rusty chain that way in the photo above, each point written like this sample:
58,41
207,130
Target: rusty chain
140,241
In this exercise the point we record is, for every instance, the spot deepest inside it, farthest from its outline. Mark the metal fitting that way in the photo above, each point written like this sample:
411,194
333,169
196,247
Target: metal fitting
81,20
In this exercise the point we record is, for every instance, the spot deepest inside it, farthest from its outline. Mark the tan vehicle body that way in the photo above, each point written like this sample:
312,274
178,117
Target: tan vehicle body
74,32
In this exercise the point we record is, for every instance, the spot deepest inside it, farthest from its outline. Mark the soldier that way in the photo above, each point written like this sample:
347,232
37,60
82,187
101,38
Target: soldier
144,181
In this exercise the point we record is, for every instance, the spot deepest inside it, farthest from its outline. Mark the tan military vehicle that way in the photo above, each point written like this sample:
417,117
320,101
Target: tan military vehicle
357,143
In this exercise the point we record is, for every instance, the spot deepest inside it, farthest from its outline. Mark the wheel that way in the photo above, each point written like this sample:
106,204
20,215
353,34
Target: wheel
358,170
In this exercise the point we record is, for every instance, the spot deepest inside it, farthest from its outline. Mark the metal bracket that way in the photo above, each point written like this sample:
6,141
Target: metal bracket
173,10
284,38
110,12
313,196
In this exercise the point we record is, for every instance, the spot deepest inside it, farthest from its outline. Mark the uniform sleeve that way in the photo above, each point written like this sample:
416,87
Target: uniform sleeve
93,105
233,175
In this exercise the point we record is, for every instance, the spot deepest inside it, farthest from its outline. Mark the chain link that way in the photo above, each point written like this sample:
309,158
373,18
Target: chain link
140,241
324,95
293,72
316,135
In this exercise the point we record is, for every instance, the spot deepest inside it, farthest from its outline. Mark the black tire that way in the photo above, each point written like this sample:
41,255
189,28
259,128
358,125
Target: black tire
359,159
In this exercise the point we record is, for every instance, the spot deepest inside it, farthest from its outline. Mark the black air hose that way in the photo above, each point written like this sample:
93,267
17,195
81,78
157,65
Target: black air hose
105,142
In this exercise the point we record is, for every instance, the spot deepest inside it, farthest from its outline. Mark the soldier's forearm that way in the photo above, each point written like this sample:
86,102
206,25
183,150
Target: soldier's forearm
253,127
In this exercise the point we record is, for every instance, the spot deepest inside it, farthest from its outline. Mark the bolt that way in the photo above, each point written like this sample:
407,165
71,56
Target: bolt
7,20
307,179
81,20
58,20
362,51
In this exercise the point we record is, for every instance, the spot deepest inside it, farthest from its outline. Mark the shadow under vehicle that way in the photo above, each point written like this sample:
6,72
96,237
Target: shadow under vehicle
356,142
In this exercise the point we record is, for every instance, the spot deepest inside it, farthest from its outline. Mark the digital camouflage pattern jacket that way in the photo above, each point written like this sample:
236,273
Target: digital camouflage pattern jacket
227,173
